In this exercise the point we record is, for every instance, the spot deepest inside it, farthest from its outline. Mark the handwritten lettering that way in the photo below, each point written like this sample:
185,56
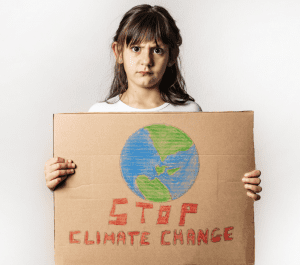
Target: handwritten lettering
192,236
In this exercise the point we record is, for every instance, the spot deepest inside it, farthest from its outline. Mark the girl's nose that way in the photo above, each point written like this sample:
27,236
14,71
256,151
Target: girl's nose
147,58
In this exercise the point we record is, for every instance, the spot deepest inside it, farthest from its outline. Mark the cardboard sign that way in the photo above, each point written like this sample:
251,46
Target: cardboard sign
154,188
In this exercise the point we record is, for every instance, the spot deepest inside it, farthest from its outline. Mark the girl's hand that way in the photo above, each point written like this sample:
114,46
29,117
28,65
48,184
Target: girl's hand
56,170
252,181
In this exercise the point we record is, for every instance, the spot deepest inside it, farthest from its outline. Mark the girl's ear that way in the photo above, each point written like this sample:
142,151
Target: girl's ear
117,52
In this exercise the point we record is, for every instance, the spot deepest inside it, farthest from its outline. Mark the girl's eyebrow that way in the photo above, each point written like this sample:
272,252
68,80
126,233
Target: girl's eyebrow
154,46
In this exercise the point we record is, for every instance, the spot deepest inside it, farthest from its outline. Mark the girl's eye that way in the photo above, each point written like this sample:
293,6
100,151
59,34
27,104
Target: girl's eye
156,50
135,49
159,50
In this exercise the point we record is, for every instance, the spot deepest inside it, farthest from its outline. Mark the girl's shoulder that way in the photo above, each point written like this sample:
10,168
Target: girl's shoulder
189,106
116,105
193,106
104,106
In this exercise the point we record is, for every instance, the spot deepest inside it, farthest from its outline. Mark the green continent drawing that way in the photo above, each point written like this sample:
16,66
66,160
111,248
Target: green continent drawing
160,170
153,190
159,163
168,140
172,171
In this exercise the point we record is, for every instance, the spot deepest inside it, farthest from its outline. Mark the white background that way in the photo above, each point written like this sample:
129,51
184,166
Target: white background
236,55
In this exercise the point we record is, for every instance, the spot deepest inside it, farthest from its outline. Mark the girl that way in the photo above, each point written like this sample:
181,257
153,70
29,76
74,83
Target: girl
146,78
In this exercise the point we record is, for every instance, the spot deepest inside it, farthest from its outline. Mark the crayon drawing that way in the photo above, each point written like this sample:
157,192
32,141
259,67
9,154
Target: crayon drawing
159,163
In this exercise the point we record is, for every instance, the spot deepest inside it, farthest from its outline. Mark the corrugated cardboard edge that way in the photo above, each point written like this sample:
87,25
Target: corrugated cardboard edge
160,112
53,192
253,202
250,111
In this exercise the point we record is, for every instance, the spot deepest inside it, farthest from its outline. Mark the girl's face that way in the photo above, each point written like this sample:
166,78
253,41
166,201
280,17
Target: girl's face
145,64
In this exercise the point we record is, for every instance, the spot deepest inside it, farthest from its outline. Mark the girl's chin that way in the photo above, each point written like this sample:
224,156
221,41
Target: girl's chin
148,84
151,81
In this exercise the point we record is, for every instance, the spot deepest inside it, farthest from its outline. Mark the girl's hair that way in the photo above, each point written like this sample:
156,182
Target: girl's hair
145,21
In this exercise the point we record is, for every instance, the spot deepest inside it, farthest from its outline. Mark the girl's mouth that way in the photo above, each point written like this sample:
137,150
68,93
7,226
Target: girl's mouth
144,73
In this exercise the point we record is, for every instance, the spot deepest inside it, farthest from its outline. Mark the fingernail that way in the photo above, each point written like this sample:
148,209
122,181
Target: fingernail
69,161
73,165
247,174
243,179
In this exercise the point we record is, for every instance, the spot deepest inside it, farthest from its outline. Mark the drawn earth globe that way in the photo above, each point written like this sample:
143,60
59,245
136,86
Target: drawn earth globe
159,163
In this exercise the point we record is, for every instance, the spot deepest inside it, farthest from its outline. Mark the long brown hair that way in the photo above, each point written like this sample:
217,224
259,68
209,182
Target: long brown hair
145,21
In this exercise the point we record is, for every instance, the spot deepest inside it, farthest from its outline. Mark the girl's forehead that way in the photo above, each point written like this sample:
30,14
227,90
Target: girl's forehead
151,42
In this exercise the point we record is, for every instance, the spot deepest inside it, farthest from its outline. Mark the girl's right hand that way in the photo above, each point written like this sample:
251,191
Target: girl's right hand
56,170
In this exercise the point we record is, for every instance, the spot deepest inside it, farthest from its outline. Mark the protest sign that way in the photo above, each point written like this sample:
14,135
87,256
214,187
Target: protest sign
154,188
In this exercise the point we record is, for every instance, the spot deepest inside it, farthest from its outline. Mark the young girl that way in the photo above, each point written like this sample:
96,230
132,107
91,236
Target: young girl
146,78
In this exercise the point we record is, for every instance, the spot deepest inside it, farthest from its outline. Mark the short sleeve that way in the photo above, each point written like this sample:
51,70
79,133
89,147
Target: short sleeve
195,107
100,107
93,108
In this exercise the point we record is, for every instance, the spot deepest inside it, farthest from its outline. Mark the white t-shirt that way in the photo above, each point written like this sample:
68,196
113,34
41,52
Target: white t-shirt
119,106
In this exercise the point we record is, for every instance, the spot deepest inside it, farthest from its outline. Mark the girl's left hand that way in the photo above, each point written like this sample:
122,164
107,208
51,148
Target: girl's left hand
252,181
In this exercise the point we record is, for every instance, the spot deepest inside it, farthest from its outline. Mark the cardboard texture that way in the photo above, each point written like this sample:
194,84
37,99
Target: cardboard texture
154,188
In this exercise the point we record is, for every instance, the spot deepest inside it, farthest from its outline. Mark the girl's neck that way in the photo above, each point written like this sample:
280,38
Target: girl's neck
142,99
